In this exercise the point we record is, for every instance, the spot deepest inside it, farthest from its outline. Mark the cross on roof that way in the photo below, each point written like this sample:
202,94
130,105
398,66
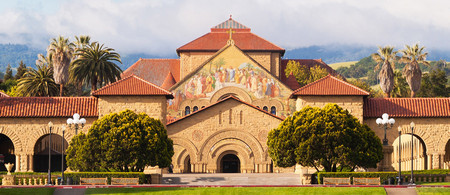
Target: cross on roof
231,31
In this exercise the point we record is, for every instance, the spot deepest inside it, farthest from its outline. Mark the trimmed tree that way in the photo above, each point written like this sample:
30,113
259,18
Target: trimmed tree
123,141
326,138
303,74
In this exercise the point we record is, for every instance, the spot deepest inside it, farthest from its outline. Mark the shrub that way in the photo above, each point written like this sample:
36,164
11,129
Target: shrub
143,178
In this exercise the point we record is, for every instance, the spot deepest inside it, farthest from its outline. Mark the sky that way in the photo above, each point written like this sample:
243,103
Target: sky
159,27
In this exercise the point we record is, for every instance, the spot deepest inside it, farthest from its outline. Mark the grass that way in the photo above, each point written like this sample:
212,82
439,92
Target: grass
34,191
436,183
426,191
239,190
341,64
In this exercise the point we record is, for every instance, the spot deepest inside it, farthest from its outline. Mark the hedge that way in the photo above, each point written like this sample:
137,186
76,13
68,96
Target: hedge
384,176
75,176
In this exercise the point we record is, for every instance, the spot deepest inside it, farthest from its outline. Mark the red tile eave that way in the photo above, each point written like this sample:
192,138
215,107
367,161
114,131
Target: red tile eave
231,97
351,90
143,88
407,107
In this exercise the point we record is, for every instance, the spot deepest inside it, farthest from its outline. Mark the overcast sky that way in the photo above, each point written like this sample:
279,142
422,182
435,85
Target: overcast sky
159,27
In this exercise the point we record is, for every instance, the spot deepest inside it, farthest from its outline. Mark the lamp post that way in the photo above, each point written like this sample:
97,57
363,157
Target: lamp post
50,125
62,154
399,156
411,182
385,122
76,120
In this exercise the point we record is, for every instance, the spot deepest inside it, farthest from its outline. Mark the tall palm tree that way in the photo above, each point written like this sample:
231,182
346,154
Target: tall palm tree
95,65
61,51
38,82
80,42
386,56
412,56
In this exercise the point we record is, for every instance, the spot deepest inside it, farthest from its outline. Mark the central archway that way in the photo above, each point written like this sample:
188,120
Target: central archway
41,151
230,163
6,151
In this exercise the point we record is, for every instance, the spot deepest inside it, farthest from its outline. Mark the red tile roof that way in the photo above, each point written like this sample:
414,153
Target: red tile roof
292,82
132,85
48,106
329,85
168,82
172,120
218,37
407,107
154,70
3,94
308,63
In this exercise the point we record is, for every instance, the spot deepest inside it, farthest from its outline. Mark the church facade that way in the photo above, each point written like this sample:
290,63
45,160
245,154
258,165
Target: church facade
219,100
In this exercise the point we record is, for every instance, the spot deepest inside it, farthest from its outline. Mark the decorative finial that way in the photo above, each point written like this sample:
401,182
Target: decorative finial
231,16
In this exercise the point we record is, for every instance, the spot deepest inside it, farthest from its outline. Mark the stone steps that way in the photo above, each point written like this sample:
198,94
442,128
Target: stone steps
233,179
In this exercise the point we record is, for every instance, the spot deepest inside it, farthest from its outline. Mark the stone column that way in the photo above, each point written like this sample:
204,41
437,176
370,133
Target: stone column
30,161
17,164
386,163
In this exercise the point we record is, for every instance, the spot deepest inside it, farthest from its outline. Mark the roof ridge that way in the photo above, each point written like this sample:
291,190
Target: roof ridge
151,83
329,76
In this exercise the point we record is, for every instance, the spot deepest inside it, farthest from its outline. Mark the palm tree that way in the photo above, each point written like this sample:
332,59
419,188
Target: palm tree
95,65
80,42
412,56
61,51
386,56
38,82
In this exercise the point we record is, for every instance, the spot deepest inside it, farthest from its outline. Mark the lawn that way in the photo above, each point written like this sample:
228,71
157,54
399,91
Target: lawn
240,190
426,191
20,191
436,183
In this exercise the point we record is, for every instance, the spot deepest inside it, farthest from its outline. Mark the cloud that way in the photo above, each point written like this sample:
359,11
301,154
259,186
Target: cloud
158,27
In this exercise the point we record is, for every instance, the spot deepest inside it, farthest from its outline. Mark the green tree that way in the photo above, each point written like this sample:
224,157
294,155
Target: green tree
412,56
303,74
386,56
324,137
123,141
366,87
8,86
434,84
60,50
37,82
21,70
95,65
8,73
400,88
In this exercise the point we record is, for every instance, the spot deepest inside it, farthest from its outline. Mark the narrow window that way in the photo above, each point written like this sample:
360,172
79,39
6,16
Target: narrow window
195,109
266,109
240,117
231,115
220,117
203,107
187,110
273,110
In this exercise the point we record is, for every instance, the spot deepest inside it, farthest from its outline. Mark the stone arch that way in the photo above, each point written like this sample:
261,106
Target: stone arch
421,161
443,141
17,142
419,133
245,137
238,92
232,145
235,152
188,146
42,131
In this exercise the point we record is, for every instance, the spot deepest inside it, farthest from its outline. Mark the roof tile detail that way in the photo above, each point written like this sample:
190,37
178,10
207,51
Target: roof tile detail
407,107
48,106
154,70
3,94
168,82
132,85
329,85
230,23
292,82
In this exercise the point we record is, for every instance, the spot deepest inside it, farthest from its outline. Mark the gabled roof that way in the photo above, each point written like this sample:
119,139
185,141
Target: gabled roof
329,85
48,106
407,107
308,63
154,70
229,98
292,82
219,36
3,94
168,82
132,85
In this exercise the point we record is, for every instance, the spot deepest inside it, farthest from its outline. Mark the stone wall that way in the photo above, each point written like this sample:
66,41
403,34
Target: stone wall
228,127
154,106
25,132
354,104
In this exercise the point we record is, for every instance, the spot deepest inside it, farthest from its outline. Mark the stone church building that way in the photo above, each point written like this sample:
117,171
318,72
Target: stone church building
219,100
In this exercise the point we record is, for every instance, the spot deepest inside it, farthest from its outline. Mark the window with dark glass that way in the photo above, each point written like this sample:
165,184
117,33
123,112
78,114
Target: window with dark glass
273,110
187,110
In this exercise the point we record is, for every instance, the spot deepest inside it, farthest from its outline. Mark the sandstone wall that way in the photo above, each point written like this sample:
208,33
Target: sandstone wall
354,104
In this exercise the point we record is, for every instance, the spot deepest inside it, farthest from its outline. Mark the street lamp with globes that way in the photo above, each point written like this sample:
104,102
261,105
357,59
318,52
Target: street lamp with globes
411,182
49,180
385,122
399,155
76,120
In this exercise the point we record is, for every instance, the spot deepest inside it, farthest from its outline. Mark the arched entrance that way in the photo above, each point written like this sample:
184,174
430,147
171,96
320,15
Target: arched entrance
419,153
7,151
40,160
447,155
187,165
230,163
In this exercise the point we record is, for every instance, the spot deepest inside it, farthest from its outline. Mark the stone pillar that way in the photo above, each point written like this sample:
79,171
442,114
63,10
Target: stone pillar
17,164
30,162
436,161
386,163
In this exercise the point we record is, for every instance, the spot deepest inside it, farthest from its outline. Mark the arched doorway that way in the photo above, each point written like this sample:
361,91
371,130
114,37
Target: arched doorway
187,165
7,151
40,159
230,163
419,153
447,155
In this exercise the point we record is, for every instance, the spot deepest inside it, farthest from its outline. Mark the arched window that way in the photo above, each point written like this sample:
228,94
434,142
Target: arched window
203,107
240,117
273,110
266,109
195,109
187,110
